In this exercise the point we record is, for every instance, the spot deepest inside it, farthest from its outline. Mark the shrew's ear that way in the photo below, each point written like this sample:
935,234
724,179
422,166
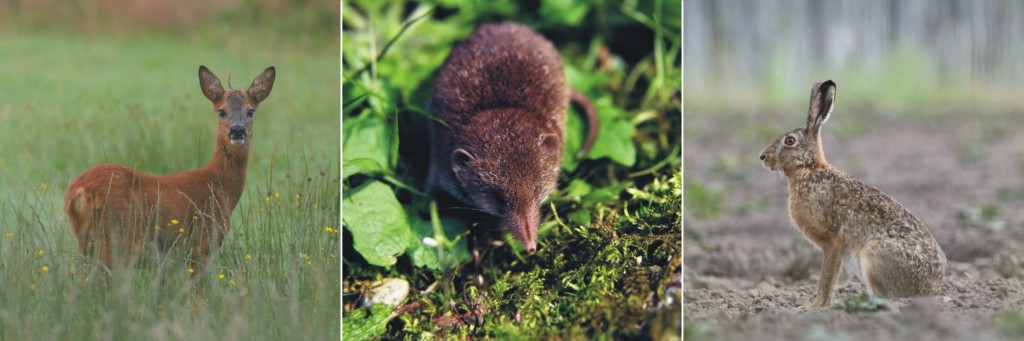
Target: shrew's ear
460,163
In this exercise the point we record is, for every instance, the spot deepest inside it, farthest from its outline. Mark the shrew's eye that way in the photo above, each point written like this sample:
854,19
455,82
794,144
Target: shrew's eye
496,197
222,113
790,140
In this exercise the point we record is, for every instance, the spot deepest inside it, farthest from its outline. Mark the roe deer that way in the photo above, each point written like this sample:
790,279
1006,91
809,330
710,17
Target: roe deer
115,211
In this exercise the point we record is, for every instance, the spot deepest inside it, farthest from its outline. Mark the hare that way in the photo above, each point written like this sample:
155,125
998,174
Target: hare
881,242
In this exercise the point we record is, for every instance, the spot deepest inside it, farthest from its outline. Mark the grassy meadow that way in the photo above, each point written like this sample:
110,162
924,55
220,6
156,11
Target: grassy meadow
71,99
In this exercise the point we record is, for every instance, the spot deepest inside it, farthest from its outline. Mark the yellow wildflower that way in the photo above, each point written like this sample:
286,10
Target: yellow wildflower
9,234
221,276
174,221
44,186
181,230
233,283
277,195
191,270
40,252
329,229
309,263
44,268
248,257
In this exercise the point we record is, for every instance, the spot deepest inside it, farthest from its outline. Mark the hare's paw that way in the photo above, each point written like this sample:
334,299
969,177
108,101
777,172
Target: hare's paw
818,303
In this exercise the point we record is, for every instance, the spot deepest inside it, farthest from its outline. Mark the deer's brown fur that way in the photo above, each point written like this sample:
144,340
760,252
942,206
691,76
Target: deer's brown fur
115,211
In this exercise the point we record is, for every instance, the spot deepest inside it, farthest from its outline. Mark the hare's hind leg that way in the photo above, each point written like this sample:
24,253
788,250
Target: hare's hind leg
891,269
857,267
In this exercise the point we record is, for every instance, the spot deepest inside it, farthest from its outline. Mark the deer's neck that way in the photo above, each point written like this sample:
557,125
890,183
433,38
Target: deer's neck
228,167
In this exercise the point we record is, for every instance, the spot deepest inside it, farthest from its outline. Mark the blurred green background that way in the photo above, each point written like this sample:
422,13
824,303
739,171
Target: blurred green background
900,55
115,81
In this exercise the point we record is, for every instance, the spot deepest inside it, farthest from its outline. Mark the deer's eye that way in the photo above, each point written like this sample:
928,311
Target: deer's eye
222,113
250,112
790,140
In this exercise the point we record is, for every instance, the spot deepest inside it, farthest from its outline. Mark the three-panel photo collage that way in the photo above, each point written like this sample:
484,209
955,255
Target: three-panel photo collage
512,170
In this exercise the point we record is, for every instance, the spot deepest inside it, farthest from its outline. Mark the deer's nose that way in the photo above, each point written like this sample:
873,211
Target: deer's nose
237,132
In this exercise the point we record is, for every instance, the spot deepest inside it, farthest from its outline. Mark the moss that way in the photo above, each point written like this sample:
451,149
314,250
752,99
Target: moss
607,284
607,280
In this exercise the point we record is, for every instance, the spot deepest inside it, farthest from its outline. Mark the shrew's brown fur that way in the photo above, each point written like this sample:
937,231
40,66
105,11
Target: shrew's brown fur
115,211
503,99
880,241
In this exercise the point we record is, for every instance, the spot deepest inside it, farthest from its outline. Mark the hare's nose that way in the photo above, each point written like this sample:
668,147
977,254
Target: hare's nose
762,157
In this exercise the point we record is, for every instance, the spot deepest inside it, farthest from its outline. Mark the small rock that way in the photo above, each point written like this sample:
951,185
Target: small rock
389,291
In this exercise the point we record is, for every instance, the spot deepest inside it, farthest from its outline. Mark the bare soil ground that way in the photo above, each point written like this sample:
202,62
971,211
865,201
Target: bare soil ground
748,270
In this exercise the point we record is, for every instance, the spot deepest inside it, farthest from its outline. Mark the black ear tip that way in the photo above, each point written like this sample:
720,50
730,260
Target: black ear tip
203,68
828,84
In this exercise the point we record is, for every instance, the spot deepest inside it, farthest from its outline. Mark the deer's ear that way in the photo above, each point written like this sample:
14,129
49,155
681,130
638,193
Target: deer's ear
210,84
261,86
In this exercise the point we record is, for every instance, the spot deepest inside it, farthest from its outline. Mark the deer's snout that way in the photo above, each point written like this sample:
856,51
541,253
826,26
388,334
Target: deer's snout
237,133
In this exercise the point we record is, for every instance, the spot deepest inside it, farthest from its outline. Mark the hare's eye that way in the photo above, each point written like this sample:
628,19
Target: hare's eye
790,140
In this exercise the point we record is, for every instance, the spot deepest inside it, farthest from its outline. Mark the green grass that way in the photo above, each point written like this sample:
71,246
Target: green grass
609,247
71,101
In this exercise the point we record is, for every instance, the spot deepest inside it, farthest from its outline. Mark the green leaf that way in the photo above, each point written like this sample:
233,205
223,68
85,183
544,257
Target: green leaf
367,324
578,188
586,82
615,136
575,133
580,216
425,255
366,137
565,12
576,125
865,302
377,221
606,194
360,166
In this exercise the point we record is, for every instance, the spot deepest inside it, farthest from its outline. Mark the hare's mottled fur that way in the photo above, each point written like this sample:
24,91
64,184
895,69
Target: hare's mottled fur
880,241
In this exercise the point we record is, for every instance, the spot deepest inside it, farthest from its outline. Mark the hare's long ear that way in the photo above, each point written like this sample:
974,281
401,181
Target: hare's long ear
823,99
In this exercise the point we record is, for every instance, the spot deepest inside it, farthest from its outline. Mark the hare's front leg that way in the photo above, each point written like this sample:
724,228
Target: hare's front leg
829,271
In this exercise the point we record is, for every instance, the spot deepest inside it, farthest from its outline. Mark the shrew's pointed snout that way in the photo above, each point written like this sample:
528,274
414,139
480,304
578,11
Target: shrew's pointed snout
762,156
524,225
237,134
